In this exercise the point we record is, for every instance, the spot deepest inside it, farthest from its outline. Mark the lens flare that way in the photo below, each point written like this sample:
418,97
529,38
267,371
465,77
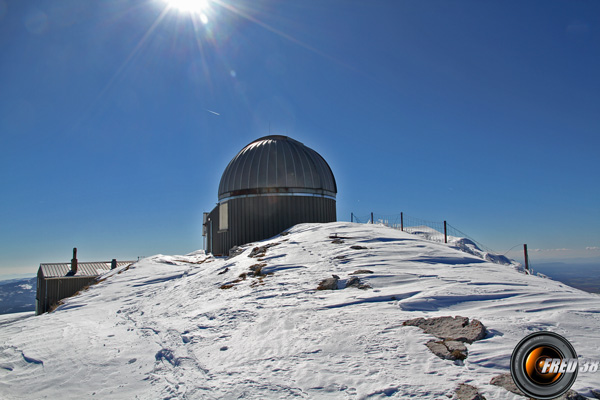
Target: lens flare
189,6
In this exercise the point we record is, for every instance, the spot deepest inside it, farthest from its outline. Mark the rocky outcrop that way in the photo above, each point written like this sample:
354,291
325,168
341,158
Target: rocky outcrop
361,271
468,392
448,349
454,332
506,381
450,328
329,283
260,251
355,282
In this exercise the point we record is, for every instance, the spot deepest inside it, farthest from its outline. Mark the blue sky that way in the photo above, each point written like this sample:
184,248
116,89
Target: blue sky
117,118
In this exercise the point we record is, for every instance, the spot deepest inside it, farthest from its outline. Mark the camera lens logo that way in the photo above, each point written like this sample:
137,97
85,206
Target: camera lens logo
544,365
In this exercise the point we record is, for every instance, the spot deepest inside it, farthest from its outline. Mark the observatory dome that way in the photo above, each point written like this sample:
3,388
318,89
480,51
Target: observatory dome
277,164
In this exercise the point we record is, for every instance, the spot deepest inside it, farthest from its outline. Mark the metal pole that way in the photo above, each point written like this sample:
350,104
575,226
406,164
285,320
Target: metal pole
402,221
371,218
526,258
445,233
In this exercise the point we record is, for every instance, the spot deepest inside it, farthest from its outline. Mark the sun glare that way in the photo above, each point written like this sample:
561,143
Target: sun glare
189,6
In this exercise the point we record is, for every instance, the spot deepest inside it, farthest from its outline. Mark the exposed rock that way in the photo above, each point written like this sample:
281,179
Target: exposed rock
448,349
235,251
506,381
596,393
261,250
337,241
457,328
336,236
329,283
224,271
571,395
453,332
468,392
361,271
257,269
357,247
355,282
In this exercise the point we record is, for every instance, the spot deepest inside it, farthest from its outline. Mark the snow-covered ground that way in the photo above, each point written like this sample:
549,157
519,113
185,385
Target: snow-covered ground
164,328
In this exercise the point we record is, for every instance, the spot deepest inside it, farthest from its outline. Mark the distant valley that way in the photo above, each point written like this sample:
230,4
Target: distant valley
581,276
17,295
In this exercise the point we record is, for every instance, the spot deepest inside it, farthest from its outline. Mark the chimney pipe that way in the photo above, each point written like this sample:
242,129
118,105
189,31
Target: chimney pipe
74,262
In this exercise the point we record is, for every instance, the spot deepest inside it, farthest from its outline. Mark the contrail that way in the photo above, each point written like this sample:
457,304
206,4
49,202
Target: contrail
212,112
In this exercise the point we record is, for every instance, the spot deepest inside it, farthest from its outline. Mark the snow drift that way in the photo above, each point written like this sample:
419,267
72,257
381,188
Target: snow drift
198,327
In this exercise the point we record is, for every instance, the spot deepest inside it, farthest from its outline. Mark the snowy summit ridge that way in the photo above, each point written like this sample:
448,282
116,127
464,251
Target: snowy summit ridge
194,327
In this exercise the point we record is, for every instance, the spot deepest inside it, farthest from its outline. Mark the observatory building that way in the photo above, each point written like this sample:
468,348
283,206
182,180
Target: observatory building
272,184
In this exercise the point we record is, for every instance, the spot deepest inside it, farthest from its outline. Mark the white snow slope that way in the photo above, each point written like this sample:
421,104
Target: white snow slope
164,329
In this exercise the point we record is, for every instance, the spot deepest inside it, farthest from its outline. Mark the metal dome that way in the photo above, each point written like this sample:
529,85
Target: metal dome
277,164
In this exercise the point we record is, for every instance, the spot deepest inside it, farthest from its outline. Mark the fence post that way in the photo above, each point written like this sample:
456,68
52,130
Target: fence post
371,218
402,221
445,233
351,217
526,258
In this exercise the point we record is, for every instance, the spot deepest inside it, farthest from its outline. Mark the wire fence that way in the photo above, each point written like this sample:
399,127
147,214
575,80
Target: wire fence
436,231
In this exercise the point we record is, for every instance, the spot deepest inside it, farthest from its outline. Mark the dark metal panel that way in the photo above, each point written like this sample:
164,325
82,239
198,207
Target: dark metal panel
54,290
257,218
280,165
276,162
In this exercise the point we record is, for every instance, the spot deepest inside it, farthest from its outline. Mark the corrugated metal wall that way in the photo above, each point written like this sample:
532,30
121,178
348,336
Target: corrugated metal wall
50,291
256,218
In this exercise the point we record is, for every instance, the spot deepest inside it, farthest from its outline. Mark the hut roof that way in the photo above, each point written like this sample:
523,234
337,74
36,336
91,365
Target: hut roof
58,270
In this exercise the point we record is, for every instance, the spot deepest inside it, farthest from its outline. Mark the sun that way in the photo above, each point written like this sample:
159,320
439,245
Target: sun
189,6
